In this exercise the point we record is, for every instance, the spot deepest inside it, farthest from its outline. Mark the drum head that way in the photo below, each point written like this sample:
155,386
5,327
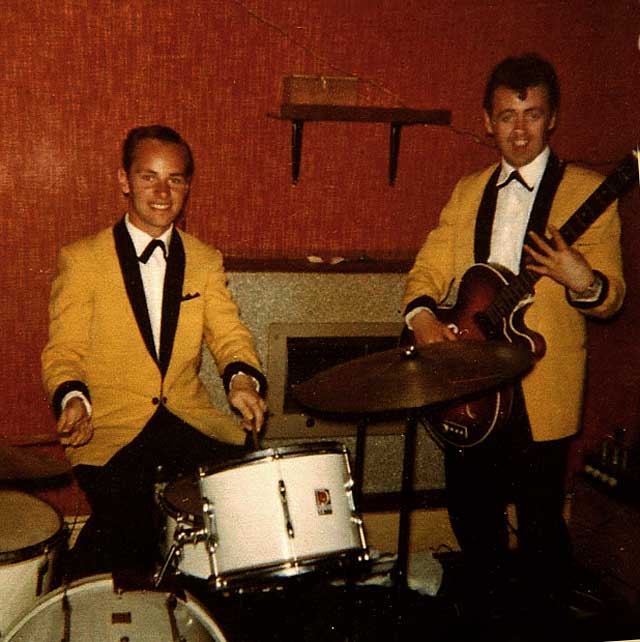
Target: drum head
291,450
27,523
90,610
182,498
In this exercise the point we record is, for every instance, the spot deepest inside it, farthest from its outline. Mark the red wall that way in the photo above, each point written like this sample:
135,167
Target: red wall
78,74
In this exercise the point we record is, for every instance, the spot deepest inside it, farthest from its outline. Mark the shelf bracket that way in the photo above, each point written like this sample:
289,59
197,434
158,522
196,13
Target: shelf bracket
397,117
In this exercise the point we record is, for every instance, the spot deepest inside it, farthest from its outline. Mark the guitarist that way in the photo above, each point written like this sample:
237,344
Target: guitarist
493,218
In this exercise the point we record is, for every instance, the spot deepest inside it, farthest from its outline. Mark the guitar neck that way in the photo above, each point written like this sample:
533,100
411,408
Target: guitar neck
615,184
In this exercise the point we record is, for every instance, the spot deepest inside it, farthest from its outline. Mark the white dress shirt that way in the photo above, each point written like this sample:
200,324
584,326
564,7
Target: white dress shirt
513,209
152,273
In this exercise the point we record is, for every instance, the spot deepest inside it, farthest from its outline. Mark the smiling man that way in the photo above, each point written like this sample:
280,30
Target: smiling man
501,216
130,308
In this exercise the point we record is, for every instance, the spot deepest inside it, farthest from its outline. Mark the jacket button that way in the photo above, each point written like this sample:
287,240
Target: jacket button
155,401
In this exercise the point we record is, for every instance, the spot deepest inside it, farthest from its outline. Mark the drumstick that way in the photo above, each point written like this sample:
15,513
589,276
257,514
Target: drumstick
42,439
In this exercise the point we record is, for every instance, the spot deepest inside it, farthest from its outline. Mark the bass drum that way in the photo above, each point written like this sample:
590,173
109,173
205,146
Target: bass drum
93,610
31,541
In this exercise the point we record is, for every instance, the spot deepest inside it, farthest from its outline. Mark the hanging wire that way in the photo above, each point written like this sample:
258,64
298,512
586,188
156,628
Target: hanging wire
479,139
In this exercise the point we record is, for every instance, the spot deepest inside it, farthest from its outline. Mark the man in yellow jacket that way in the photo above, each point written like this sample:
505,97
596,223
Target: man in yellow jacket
130,308
496,218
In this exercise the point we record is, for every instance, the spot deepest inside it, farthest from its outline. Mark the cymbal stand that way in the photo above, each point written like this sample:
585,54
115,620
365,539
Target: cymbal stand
400,574
358,467
406,490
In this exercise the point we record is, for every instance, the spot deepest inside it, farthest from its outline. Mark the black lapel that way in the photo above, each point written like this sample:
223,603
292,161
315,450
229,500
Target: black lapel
484,219
544,198
133,283
171,298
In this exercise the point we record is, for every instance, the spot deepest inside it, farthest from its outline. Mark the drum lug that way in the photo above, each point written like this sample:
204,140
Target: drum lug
285,507
210,535
43,569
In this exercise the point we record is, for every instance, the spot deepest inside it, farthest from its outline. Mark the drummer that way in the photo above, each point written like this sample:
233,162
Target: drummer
129,309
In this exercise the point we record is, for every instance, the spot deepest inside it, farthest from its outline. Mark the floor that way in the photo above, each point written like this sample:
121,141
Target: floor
318,609
324,606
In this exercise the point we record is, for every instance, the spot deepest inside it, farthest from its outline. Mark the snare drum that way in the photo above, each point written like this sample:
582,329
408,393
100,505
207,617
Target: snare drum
31,539
280,512
92,610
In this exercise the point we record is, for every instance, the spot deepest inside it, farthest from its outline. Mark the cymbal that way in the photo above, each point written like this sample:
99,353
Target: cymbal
18,464
412,377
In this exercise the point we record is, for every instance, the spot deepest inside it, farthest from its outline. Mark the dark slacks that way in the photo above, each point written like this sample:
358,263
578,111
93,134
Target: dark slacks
509,467
124,529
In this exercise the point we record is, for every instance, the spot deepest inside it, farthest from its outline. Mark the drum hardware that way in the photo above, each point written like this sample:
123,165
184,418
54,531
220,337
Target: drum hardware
172,604
43,569
210,534
183,535
66,612
285,507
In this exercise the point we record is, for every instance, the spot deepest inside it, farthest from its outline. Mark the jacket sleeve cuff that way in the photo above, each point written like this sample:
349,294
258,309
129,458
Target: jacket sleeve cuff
420,302
63,390
594,303
237,367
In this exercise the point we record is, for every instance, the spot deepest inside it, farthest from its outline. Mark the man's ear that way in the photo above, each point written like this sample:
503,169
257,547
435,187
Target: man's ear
123,179
488,124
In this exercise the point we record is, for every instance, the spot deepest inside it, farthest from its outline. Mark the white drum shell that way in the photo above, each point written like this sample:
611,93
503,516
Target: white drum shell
97,613
284,509
31,538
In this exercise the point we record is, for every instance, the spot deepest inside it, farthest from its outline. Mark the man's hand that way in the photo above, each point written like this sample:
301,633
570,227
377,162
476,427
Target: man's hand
75,426
560,262
244,397
427,329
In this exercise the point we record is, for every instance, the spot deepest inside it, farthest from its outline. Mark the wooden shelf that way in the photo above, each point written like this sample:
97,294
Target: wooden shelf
397,117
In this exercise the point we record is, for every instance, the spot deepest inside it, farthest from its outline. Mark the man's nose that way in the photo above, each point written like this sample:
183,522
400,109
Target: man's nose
520,121
162,187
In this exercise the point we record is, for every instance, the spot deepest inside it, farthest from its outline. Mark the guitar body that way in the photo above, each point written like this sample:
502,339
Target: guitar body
468,421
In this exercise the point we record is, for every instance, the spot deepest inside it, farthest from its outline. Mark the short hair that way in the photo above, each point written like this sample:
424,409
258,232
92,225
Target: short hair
156,132
521,72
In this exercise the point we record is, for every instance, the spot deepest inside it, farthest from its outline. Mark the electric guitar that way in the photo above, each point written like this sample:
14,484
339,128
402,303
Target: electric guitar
490,306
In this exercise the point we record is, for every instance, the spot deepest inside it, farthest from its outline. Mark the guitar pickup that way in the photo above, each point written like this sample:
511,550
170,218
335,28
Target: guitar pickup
455,429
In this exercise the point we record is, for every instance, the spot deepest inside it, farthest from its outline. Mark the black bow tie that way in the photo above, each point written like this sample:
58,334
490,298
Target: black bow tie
515,176
148,251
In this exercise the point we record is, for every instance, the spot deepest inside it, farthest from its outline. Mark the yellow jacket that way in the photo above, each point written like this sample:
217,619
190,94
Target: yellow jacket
100,339
553,389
